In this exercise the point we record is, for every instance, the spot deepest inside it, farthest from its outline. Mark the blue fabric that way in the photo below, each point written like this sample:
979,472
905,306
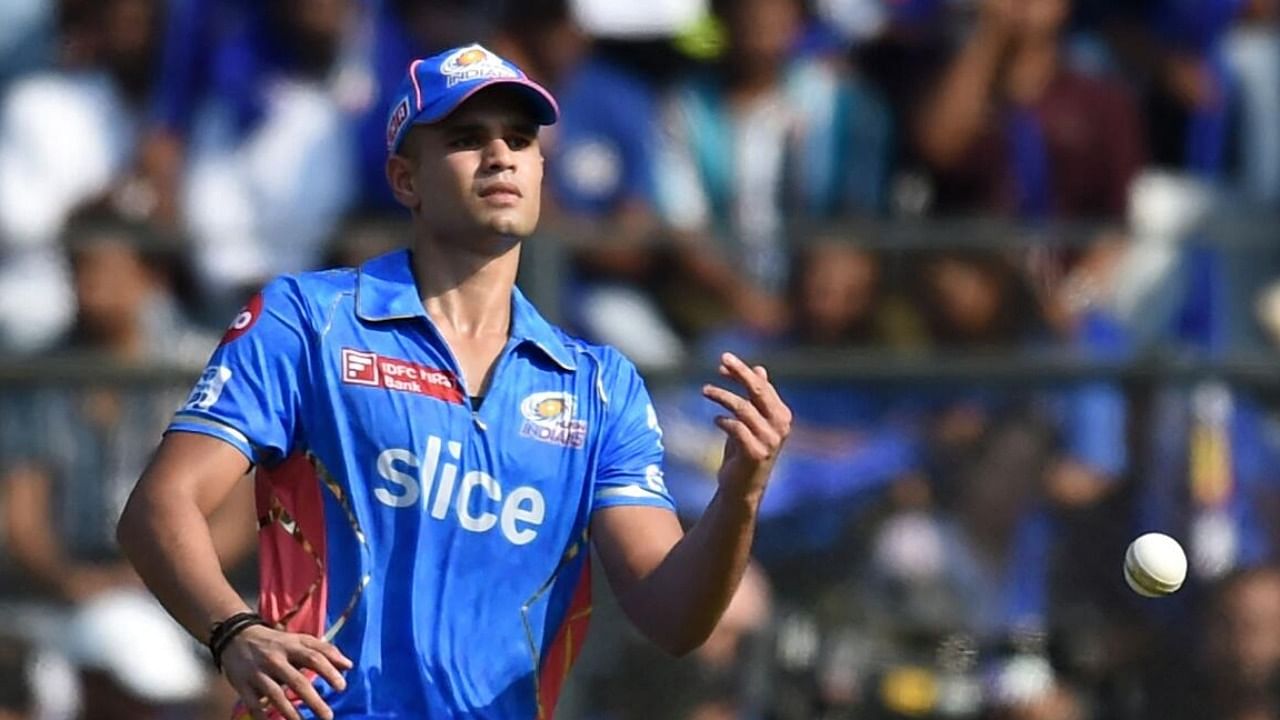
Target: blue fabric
434,86
1030,159
1209,127
216,48
1022,599
610,115
472,521
1092,419
1167,504
1195,25
848,444
390,53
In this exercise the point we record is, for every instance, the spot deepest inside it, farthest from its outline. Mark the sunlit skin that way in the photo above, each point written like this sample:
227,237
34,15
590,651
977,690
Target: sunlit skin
476,176
472,185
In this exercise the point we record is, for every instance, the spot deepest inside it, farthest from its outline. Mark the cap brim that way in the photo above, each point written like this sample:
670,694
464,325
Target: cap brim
545,109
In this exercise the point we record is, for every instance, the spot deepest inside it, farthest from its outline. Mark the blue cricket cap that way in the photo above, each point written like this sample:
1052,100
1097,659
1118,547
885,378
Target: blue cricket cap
436,86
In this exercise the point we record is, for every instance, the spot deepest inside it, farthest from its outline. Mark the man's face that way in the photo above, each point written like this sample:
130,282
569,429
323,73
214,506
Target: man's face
1248,629
478,171
836,290
763,31
112,285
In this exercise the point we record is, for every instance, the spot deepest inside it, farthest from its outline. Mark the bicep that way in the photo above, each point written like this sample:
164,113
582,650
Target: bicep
632,540
201,468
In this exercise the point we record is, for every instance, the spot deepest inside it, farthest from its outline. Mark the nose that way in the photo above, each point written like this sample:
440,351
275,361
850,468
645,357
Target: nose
498,156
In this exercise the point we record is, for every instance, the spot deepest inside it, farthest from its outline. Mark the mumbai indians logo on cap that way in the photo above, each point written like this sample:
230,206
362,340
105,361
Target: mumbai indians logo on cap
473,63
398,118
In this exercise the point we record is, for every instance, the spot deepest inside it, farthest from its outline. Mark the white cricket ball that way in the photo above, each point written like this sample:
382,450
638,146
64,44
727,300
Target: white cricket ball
1155,565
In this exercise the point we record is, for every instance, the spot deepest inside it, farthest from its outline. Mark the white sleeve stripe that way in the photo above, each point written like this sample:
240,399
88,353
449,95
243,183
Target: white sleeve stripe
214,424
629,491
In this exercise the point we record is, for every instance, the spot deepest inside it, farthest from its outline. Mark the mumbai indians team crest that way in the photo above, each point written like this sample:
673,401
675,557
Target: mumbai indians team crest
474,63
549,418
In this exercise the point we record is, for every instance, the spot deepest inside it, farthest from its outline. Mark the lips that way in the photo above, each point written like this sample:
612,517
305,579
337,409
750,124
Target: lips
503,188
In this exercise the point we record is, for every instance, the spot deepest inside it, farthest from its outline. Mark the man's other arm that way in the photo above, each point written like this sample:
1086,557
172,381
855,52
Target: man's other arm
165,533
675,586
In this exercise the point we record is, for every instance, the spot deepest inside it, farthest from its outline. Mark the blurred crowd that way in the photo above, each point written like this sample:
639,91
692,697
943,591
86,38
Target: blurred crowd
1095,180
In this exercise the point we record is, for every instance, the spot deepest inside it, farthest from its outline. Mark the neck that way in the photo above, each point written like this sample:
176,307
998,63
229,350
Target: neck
1031,69
748,80
124,342
466,289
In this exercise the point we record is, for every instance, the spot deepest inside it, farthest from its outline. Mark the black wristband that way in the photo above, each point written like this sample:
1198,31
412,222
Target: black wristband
221,634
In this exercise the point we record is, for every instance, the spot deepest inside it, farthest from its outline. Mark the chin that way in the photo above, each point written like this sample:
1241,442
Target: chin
514,227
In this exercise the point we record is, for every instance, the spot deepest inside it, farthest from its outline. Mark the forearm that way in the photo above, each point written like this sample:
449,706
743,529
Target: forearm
955,117
234,526
29,536
680,602
169,542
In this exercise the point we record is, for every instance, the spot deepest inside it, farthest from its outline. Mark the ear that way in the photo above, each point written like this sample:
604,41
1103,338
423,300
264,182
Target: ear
400,177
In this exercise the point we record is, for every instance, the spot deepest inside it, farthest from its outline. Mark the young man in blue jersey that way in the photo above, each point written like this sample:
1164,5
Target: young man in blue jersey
434,460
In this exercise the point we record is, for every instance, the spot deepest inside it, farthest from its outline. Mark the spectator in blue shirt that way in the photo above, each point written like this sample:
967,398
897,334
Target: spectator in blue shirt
252,150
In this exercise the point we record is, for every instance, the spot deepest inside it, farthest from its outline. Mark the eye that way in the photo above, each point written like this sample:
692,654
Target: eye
467,141
519,142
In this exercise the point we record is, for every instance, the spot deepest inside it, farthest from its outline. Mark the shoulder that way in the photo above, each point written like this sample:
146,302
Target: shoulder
614,373
307,300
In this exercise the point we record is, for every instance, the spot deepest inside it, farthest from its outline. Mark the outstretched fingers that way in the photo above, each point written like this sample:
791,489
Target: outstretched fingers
761,392
760,421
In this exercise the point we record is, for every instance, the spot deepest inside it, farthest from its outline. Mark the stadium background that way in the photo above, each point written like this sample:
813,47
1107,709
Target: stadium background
1014,263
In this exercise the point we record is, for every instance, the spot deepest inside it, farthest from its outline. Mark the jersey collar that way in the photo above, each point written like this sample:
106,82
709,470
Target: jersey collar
385,290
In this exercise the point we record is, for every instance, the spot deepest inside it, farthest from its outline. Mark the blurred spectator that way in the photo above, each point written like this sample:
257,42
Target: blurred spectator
976,300
17,692
987,447
1012,129
1213,478
842,298
1252,52
1243,638
1226,663
845,445
133,660
66,136
252,151
70,454
390,35
762,139
362,237
662,19
26,36
902,47
599,167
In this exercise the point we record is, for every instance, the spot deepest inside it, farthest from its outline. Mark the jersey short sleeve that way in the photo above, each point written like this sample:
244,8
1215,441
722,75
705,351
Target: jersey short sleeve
630,469
249,394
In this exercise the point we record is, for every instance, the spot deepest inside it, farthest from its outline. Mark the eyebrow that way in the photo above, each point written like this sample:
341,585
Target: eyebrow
524,127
